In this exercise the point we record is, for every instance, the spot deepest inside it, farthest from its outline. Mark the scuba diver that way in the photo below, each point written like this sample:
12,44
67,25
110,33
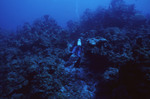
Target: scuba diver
75,57
77,49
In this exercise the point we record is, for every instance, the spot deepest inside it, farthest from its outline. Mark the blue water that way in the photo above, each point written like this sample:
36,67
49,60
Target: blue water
74,49
14,13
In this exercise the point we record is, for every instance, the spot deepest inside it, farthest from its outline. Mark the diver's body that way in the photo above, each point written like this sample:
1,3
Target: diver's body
75,57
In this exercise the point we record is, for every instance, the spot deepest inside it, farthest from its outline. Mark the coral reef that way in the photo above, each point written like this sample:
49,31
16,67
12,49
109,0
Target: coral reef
36,61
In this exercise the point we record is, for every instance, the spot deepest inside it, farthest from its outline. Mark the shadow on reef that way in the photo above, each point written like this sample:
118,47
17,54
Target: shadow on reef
130,83
134,78
37,61
97,63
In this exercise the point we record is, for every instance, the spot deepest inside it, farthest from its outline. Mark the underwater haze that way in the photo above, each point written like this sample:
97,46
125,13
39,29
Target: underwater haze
14,13
74,49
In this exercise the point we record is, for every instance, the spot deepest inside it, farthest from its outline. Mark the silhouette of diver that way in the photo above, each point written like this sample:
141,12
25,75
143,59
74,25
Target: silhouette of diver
77,49
75,57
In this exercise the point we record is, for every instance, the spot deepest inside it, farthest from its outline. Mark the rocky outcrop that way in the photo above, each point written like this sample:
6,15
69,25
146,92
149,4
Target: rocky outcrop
37,62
